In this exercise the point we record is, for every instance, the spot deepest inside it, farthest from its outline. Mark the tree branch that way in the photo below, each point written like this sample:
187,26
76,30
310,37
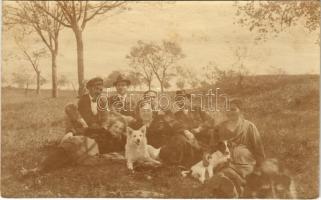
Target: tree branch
103,8
42,37
54,17
80,11
66,12
85,16
30,60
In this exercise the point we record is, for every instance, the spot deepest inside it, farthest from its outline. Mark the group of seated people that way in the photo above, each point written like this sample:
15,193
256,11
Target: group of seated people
183,136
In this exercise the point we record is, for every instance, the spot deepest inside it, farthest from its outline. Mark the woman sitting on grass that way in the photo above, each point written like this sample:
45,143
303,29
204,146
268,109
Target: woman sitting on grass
247,152
90,148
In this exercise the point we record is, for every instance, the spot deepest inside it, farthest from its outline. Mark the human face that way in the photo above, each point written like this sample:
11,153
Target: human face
183,103
121,88
152,96
234,112
95,90
117,128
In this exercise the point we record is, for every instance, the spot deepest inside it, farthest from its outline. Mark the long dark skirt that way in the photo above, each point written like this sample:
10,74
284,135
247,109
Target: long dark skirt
180,151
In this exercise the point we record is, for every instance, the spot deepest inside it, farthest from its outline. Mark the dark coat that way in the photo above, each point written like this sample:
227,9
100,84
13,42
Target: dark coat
193,119
107,143
84,108
159,131
180,151
168,133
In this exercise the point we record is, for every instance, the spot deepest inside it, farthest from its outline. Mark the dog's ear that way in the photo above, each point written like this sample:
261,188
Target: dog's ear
221,146
129,131
143,129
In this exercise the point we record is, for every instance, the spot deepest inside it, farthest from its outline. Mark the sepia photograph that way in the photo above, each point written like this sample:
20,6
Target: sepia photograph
160,99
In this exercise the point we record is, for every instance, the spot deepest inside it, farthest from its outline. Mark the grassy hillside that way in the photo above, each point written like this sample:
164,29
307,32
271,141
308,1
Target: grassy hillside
284,108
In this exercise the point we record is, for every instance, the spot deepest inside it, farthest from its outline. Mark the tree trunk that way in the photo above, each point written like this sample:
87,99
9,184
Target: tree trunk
54,75
27,88
149,85
73,87
38,83
80,62
162,86
161,83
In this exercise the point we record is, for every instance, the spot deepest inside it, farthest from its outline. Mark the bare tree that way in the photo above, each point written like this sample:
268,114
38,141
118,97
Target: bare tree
76,15
146,72
159,59
27,13
33,57
273,17
135,78
163,59
138,62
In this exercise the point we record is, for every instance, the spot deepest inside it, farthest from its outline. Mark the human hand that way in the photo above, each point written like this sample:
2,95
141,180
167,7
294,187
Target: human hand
197,130
83,123
189,135
129,119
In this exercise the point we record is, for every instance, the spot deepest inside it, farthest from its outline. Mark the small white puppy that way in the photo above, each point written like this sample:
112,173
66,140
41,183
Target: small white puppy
137,149
207,165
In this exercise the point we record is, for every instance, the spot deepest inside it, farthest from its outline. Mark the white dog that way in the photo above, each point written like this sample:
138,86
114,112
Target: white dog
137,149
207,165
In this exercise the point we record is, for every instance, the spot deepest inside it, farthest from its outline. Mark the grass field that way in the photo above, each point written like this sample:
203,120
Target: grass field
284,108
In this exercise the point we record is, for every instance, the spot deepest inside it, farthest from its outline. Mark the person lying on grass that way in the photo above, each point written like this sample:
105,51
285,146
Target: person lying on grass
91,148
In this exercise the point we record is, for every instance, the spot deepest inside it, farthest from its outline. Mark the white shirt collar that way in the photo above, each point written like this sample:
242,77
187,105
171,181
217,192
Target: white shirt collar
91,98
93,105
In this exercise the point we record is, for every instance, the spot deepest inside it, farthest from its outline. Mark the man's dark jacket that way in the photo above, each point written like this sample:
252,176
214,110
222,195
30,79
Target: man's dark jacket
84,108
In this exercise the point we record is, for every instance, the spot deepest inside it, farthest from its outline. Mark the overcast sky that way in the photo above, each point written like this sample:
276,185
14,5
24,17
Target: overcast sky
205,31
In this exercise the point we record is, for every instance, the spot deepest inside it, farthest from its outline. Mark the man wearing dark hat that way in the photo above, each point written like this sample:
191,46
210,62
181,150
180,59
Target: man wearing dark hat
87,108
191,116
121,102
87,104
